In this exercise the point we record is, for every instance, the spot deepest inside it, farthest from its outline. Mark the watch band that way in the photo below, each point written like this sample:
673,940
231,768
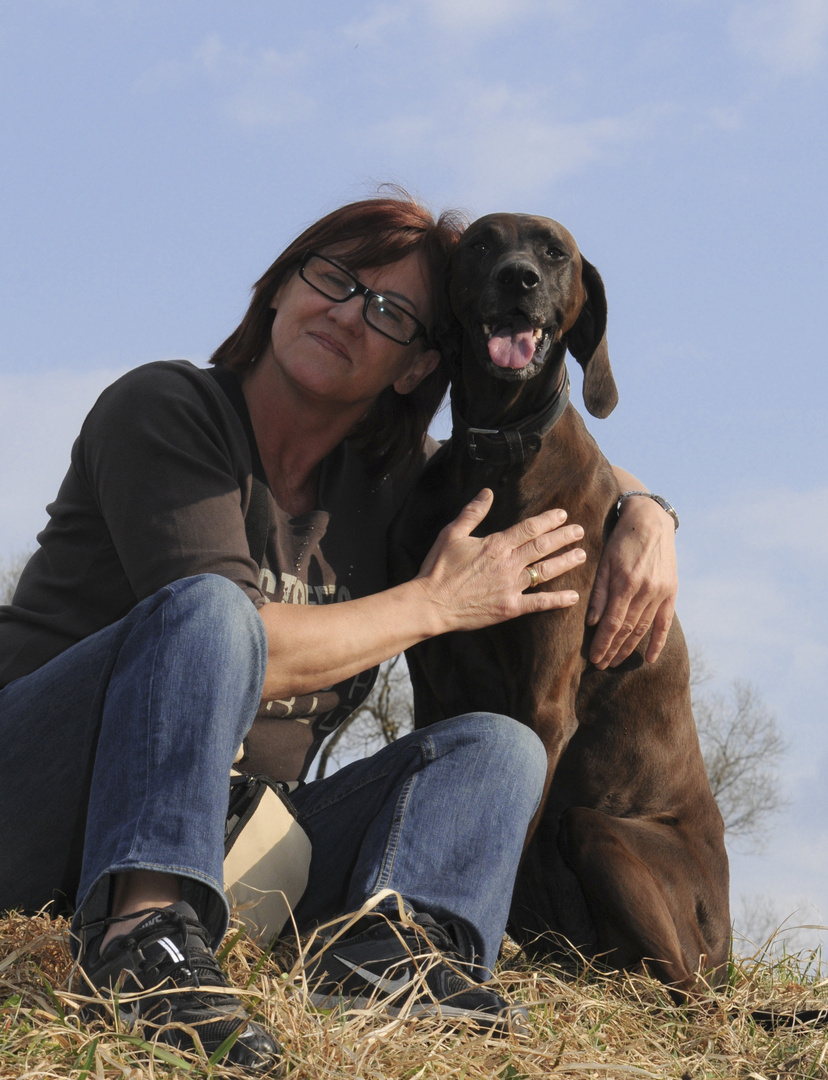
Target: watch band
665,506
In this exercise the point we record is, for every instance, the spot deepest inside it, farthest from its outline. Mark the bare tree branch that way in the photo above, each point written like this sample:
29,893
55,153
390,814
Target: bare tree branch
385,715
742,749
10,570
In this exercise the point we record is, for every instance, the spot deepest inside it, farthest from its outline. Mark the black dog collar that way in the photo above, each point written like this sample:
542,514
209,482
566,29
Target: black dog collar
514,444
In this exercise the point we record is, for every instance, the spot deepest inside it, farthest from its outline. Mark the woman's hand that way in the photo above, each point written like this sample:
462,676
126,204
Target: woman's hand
478,581
636,585
466,582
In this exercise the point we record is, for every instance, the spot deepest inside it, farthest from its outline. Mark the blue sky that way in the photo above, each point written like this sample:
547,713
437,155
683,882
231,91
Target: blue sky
155,157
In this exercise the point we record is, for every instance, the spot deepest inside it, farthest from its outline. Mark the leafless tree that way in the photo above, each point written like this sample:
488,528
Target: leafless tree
10,570
762,927
760,923
385,715
743,750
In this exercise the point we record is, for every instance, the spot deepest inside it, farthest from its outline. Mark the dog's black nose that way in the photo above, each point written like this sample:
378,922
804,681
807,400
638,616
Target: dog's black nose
519,275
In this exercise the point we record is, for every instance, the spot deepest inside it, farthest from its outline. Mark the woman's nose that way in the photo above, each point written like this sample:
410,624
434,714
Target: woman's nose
348,314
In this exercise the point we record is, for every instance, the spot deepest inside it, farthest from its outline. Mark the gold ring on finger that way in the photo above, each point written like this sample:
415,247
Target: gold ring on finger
534,576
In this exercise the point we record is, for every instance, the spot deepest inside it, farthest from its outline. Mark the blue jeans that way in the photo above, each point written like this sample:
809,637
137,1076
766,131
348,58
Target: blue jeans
439,816
116,757
118,751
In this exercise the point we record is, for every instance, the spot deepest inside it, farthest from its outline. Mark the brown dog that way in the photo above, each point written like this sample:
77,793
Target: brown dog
627,860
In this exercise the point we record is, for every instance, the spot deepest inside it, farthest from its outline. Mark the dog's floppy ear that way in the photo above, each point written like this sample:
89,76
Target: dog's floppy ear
587,341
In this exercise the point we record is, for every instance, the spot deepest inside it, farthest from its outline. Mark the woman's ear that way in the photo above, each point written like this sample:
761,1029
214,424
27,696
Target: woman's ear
423,366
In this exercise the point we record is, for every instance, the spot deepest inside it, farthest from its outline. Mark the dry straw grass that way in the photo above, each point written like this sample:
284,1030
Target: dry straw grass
591,1026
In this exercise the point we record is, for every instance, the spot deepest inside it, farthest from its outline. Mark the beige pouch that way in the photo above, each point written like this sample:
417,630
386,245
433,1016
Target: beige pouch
267,855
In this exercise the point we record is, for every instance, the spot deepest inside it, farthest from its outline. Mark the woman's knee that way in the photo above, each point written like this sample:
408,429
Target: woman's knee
515,743
518,761
220,615
212,592
511,750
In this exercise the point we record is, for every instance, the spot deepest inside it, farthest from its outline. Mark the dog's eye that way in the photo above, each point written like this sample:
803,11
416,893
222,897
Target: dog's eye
480,245
555,252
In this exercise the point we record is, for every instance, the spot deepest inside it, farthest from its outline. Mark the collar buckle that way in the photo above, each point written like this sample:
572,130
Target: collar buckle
474,453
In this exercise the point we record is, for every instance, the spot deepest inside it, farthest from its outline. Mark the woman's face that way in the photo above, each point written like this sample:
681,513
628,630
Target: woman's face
328,350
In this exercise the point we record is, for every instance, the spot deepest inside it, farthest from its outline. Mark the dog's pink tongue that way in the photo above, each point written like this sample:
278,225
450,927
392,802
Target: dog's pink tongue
513,346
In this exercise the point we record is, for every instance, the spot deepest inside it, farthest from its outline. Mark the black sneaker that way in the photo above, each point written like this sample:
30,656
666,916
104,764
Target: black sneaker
408,971
169,953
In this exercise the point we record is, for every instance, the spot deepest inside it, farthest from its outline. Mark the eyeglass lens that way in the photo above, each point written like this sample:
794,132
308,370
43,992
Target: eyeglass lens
337,284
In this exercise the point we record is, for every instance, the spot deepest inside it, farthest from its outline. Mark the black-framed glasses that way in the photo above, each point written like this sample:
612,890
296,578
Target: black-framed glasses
338,284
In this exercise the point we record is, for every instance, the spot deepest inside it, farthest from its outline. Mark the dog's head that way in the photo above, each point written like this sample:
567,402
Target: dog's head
524,294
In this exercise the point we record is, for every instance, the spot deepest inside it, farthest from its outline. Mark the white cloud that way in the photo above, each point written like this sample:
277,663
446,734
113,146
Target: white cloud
780,520
270,97
726,117
259,89
373,31
480,16
789,36
462,19
753,589
748,623
506,150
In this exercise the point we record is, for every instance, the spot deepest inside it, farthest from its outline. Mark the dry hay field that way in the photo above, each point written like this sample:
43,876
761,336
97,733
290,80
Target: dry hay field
589,1026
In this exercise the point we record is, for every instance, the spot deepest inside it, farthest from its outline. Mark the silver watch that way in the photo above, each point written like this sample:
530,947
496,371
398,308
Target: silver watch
665,506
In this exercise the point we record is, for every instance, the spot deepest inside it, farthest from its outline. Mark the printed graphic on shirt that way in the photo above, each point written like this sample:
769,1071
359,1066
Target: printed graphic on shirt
325,709
333,554
292,590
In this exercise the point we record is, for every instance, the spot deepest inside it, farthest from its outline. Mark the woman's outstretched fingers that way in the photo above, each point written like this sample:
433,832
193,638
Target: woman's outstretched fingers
546,600
473,513
548,569
476,581
536,539
537,550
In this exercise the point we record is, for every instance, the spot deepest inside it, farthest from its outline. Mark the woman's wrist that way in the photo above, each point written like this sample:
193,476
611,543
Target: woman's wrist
627,497
435,615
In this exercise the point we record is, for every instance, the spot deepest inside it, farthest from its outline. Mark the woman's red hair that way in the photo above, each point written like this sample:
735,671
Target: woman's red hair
377,231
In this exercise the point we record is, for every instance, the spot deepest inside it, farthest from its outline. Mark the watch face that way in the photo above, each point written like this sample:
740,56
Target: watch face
668,508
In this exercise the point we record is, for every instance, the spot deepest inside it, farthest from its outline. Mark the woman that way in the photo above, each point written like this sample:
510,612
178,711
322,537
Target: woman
144,641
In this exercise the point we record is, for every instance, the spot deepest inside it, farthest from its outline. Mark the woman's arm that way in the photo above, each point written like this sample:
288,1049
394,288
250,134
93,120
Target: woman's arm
465,583
636,584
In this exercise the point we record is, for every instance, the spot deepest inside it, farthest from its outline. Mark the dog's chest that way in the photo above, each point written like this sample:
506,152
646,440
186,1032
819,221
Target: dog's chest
527,666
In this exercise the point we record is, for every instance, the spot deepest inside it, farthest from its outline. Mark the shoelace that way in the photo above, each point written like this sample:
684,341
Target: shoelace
201,964
440,939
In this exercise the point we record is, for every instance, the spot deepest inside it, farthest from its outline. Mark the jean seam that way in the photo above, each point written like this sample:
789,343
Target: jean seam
320,805
392,844
137,828
427,754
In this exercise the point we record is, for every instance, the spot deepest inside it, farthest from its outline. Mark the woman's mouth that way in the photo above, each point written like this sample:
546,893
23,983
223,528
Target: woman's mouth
329,343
